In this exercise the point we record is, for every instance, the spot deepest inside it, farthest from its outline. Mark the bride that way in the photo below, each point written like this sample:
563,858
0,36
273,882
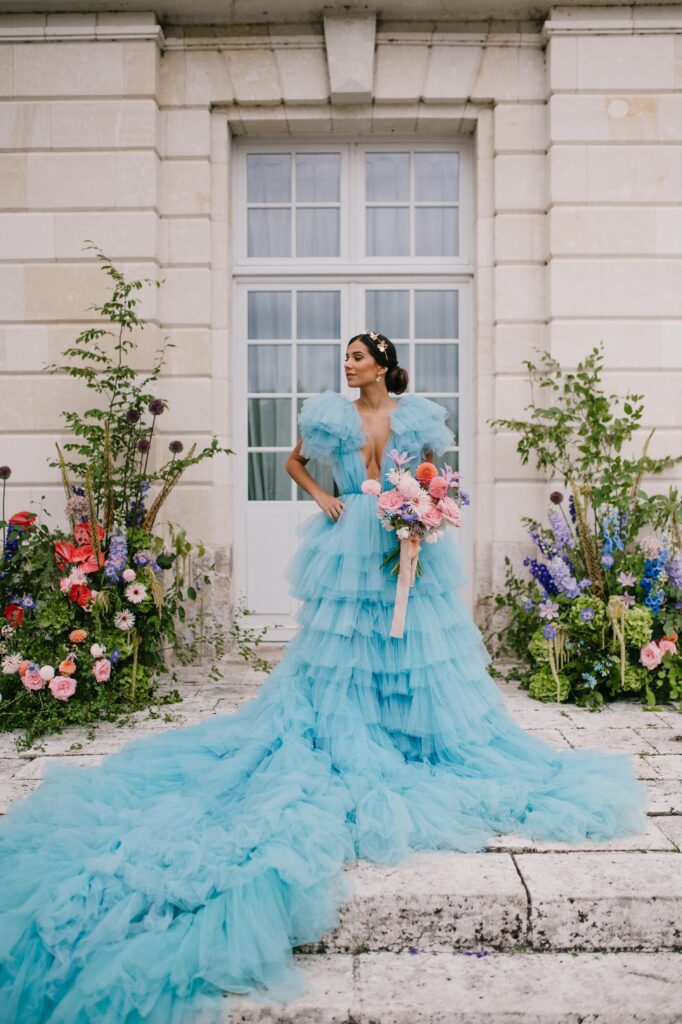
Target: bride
190,863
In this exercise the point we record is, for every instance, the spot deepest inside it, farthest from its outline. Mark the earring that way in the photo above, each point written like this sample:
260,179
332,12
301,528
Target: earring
380,377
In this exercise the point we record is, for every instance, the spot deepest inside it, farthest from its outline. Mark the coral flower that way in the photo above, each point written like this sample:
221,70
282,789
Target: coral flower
82,533
24,520
23,666
77,636
425,472
438,487
667,646
67,668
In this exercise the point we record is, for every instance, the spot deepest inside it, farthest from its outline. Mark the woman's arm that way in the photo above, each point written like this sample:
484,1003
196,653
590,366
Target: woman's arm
295,467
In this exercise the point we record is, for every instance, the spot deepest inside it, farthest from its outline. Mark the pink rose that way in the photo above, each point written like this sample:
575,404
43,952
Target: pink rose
438,488
450,510
370,487
432,517
666,646
33,681
389,501
62,687
101,670
651,655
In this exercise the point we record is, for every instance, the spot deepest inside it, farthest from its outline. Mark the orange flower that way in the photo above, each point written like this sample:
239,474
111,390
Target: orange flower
77,636
24,665
67,668
425,472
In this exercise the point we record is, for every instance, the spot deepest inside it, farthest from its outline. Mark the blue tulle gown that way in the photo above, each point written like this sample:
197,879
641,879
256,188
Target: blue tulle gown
188,864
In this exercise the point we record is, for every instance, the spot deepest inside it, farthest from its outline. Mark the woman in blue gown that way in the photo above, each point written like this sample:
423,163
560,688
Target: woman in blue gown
190,863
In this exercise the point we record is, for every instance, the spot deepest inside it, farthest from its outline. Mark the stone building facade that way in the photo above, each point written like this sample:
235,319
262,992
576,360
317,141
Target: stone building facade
136,130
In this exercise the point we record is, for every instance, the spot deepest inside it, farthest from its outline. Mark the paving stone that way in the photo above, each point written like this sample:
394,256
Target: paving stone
667,766
663,740
665,796
501,988
655,838
608,738
604,901
9,792
671,826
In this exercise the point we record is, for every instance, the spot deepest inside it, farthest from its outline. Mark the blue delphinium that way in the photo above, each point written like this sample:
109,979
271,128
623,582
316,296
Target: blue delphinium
674,569
566,583
541,573
653,579
560,528
117,557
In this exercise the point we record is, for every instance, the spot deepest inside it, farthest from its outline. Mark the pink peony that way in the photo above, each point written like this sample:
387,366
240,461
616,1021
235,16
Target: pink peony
370,487
389,501
62,687
408,486
33,681
450,510
101,670
666,646
438,488
651,655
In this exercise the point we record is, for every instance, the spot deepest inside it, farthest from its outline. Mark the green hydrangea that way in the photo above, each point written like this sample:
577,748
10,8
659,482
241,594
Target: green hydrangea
635,677
581,604
538,648
639,623
543,686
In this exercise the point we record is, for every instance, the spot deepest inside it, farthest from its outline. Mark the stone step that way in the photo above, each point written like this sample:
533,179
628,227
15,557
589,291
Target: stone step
443,901
500,988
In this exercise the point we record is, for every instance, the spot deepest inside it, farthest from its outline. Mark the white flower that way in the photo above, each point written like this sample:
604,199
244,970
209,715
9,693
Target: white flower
135,592
129,575
11,664
124,620
97,651
409,487
46,673
403,532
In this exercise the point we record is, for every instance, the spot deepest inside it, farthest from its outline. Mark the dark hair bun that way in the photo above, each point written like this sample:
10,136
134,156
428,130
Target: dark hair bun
396,380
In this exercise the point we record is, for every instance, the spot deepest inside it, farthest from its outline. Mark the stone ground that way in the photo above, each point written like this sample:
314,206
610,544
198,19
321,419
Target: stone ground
525,931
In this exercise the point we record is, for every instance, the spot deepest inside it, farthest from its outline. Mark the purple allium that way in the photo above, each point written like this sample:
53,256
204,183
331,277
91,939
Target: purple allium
556,497
77,507
5,472
586,614
549,632
176,447
144,444
156,406
133,415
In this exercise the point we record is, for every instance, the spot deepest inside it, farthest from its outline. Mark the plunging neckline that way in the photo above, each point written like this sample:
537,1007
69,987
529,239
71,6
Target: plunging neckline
396,405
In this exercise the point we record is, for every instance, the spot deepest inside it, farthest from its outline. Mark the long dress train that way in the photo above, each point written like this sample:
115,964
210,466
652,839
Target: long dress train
189,863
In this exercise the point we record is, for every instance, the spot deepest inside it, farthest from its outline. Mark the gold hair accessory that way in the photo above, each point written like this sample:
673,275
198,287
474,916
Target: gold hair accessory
373,335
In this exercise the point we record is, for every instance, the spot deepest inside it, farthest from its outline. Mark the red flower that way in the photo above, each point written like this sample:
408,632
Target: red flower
80,594
86,556
81,533
24,520
14,614
63,552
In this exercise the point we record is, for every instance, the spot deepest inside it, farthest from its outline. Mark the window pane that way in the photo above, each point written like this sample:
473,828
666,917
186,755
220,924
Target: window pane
388,231
318,315
436,177
325,478
436,231
318,177
452,405
269,422
268,479
269,232
403,354
318,367
388,311
387,177
436,367
269,315
268,178
317,231
269,368
436,314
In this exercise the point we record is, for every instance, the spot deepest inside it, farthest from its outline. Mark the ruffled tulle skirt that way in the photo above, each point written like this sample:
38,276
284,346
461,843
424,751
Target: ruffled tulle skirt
190,863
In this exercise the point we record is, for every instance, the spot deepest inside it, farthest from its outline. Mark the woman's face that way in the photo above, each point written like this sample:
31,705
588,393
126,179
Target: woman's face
360,365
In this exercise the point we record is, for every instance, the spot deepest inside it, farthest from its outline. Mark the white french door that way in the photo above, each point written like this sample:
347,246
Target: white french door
330,240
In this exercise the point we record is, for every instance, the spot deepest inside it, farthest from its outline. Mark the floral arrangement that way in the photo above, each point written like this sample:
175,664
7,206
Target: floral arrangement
418,508
92,611
598,614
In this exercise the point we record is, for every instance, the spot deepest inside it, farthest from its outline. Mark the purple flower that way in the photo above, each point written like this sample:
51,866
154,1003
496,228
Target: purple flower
548,609
562,534
586,614
556,497
529,604
133,415
607,560
176,447
5,472
27,602
144,444
626,579
549,632
584,583
562,576
156,406
675,570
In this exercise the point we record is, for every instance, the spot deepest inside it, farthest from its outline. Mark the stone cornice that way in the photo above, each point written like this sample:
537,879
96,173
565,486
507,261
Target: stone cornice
52,28
613,21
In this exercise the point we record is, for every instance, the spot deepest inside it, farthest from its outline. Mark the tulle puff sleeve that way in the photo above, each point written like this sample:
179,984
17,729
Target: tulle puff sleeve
420,424
328,427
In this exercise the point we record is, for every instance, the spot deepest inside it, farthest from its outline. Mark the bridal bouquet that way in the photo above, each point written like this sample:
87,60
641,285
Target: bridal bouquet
418,508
